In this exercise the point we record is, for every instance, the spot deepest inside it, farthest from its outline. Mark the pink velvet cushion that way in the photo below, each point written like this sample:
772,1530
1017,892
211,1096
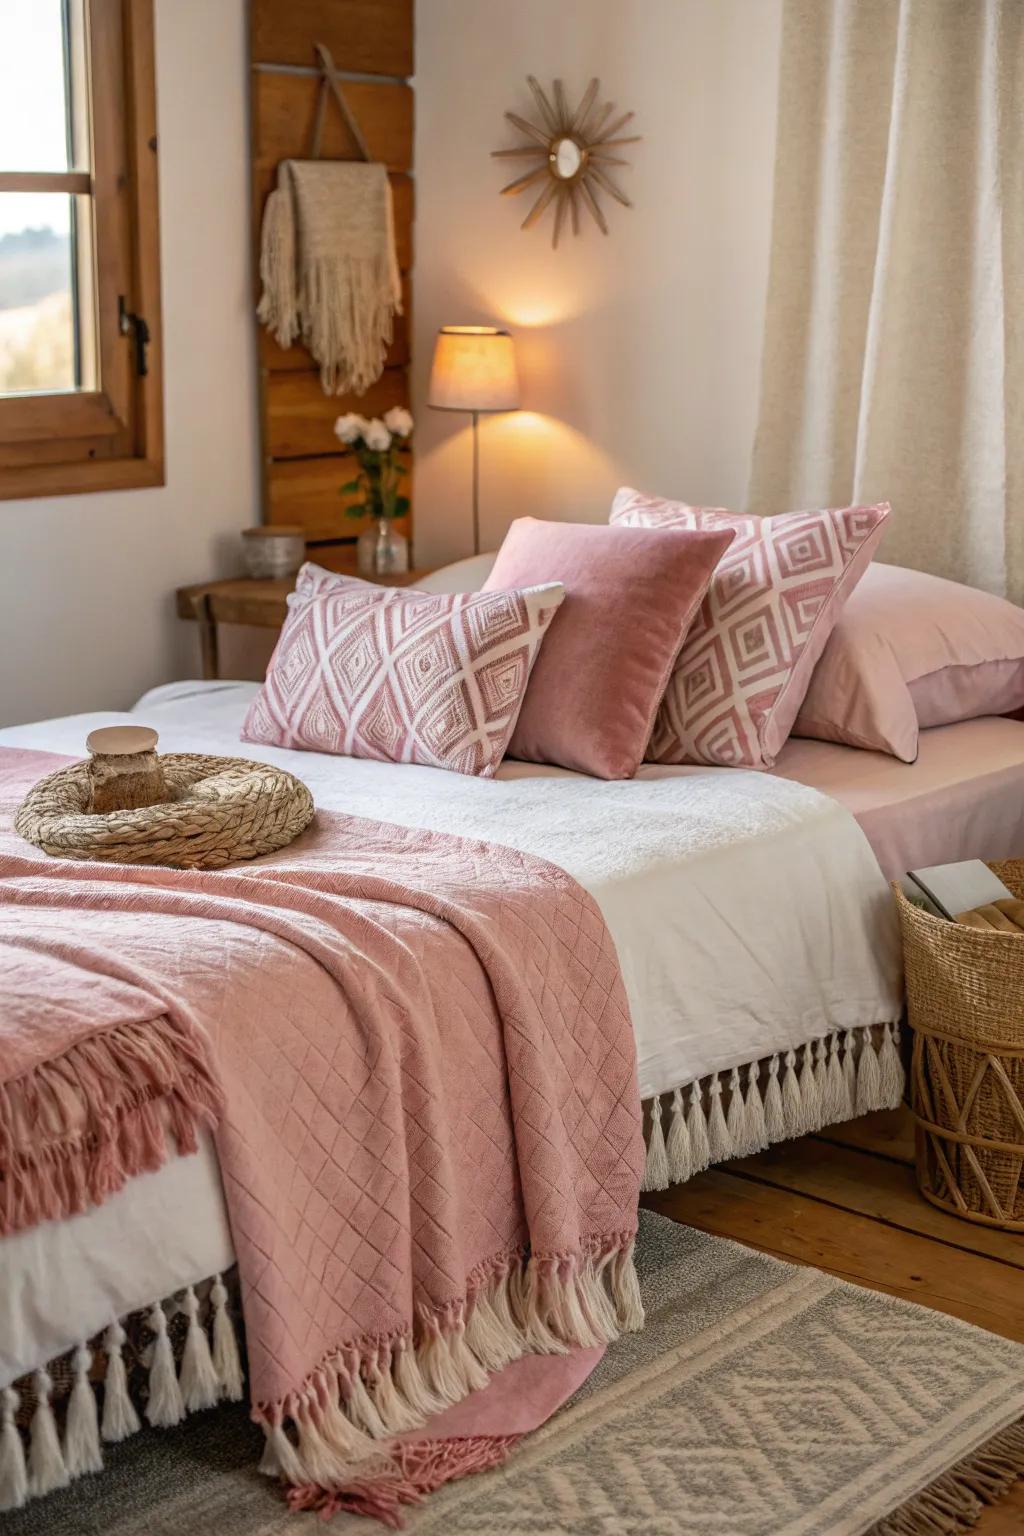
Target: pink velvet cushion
630,598
401,676
747,661
909,651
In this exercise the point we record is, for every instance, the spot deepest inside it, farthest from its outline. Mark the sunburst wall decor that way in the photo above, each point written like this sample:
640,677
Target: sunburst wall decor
575,150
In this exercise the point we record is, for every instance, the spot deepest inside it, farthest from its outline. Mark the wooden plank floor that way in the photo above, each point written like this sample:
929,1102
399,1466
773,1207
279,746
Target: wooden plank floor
846,1201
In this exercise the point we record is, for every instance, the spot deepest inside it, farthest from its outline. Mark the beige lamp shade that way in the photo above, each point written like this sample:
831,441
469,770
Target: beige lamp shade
474,370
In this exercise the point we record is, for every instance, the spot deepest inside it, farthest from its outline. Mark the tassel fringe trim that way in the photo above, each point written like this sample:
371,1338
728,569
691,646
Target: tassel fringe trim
328,1441
419,1467
108,1105
848,1073
957,1499
36,1462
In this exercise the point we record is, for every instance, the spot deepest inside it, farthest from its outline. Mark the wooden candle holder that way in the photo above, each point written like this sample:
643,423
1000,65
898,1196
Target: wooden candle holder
124,770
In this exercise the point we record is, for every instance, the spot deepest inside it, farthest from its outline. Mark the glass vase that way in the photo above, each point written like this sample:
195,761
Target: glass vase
382,550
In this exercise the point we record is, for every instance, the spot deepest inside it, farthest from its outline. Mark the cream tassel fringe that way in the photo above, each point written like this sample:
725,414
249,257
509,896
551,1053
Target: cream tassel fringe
82,1432
757,1128
13,1472
486,1333
279,305
792,1103
719,1141
347,307
736,1119
679,1150
410,1383
629,1309
391,1407
697,1127
200,1387
226,1360
205,1379
891,1069
656,1173
46,1469
165,1407
848,1073
834,1094
119,1417
810,1098
774,1112
543,1305
869,1083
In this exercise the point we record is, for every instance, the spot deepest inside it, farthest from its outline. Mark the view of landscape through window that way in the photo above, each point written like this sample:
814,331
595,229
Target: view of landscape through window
37,327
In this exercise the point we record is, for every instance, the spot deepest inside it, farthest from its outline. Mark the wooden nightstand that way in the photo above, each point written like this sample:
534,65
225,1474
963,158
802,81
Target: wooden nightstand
241,600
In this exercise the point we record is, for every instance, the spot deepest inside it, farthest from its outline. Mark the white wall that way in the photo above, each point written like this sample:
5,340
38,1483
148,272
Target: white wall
639,352
87,582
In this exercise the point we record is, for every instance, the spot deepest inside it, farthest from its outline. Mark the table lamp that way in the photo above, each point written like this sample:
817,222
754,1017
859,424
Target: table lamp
474,370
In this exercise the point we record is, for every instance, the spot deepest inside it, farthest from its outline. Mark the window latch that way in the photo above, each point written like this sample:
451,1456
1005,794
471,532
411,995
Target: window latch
134,325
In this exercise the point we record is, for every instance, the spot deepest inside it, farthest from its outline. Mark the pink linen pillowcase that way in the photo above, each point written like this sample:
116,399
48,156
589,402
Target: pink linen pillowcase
630,597
398,675
912,651
747,661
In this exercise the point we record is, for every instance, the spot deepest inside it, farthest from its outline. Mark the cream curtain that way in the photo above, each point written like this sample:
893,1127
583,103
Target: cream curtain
894,341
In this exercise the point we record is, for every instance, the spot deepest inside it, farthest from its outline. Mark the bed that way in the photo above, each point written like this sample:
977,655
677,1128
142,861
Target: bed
685,865
755,1017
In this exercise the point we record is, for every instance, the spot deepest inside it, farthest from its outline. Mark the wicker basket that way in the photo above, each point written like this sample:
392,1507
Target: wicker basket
965,995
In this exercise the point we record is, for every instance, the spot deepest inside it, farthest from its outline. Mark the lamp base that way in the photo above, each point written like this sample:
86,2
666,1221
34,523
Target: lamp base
476,482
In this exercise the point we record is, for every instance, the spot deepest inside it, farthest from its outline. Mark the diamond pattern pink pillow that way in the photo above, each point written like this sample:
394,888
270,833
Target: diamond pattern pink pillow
399,675
747,660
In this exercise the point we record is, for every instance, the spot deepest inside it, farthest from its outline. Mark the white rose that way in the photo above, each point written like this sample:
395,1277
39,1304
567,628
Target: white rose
350,428
399,420
377,436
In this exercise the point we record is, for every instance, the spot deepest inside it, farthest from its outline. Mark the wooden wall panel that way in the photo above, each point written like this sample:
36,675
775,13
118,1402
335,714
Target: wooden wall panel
304,464
307,491
299,418
284,107
372,37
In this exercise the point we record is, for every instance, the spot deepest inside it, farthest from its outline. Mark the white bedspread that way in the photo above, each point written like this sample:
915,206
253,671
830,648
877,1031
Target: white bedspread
748,911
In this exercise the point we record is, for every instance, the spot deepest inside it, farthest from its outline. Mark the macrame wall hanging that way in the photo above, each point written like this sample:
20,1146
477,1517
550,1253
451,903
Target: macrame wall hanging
327,262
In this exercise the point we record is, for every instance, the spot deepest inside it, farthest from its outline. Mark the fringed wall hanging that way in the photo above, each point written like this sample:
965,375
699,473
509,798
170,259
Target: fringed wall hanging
327,262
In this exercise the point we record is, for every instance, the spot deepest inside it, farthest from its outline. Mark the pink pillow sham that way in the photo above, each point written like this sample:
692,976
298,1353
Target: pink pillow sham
747,661
399,675
912,651
630,598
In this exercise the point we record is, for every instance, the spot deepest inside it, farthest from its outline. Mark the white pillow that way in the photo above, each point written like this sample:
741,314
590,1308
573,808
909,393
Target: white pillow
462,576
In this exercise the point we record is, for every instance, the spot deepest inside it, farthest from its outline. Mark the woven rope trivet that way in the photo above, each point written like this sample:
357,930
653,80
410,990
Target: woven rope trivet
221,809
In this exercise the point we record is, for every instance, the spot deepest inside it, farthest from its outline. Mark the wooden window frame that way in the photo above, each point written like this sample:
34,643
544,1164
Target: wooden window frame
108,436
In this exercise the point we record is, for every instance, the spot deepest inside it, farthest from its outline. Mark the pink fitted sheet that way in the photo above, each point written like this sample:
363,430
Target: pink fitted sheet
962,799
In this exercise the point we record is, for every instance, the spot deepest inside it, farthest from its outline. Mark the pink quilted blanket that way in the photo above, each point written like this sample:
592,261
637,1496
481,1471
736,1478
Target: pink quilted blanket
417,1053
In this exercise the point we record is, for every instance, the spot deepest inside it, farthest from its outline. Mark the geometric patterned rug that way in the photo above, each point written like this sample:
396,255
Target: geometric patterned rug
761,1399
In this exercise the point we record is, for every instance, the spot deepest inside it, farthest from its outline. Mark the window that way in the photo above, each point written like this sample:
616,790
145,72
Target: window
80,359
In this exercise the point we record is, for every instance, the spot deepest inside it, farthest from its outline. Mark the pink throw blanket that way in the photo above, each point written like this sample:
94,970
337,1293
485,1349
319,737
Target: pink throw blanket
417,1052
